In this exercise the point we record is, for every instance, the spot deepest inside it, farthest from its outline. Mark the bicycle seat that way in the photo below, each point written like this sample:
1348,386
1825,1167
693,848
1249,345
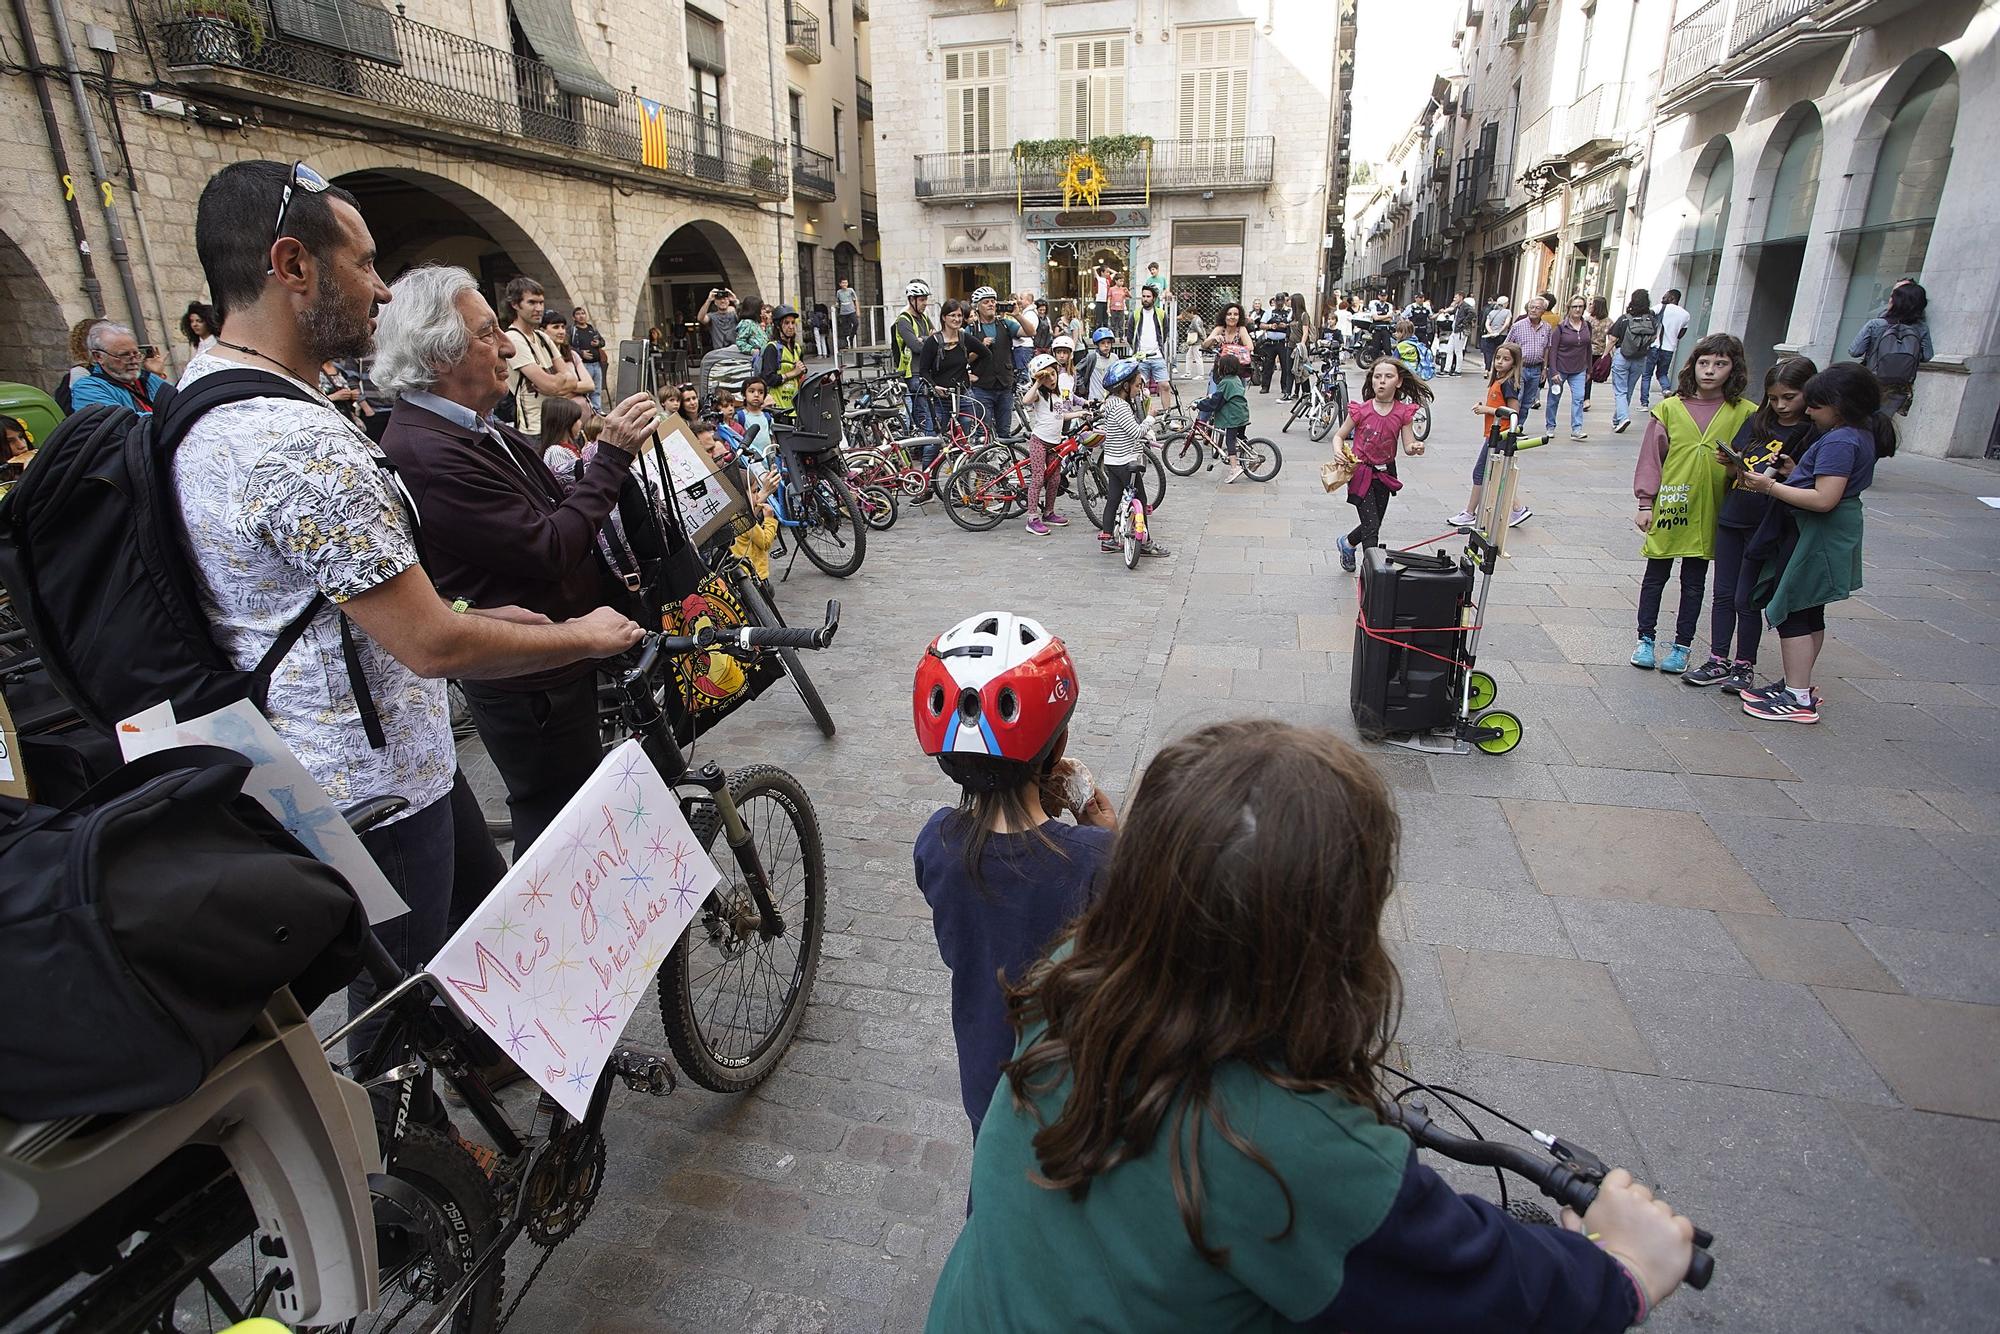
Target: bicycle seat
300,1139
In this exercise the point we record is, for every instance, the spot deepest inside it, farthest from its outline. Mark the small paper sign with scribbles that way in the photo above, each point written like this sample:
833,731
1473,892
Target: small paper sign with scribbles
555,960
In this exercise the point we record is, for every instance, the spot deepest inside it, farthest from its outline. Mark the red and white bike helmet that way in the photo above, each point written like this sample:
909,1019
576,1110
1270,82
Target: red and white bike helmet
996,687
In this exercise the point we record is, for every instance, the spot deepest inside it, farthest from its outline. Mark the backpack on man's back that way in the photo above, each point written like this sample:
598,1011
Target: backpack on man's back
93,553
1895,355
1641,332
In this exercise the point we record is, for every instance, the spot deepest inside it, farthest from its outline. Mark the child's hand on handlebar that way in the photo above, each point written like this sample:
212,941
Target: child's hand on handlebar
1639,1230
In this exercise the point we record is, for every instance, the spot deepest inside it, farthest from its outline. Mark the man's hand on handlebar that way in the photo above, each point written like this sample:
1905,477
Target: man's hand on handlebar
1639,1230
607,633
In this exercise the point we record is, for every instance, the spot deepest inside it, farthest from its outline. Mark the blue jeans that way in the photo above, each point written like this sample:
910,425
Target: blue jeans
1624,374
1573,385
596,370
1662,364
920,411
1531,388
416,853
997,405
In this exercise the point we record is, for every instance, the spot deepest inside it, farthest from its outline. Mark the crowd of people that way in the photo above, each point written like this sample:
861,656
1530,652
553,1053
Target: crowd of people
1111,994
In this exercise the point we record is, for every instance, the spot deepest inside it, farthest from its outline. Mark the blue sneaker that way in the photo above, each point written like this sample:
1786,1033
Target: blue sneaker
1642,656
1676,660
1346,549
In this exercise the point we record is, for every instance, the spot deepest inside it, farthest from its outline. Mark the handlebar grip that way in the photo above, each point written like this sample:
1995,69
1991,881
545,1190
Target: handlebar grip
1700,1269
783,636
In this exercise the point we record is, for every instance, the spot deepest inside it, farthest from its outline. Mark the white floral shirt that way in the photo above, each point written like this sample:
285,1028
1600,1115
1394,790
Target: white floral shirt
282,500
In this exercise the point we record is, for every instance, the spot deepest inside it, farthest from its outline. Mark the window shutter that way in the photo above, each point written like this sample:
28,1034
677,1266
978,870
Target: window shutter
352,27
550,27
704,43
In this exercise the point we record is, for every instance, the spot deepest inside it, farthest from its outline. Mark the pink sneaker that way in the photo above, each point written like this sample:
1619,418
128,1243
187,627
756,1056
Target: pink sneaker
1055,520
1038,528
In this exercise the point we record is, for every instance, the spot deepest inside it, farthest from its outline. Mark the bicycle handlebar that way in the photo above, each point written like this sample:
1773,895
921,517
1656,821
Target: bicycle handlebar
1571,1176
734,639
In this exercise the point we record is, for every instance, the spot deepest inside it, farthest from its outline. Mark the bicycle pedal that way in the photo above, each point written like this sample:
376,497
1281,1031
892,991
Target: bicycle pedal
644,1071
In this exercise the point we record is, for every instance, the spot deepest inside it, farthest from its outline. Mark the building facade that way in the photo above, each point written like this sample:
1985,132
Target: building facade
829,114
629,163
1210,128
1781,163
1810,154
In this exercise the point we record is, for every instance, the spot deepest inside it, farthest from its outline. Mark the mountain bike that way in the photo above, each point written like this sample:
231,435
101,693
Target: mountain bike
1184,454
182,1250
814,502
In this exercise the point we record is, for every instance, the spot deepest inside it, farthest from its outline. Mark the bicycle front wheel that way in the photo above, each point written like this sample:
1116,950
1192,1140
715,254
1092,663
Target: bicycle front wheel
1322,422
834,535
1181,454
1261,460
978,497
1420,425
730,999
878,506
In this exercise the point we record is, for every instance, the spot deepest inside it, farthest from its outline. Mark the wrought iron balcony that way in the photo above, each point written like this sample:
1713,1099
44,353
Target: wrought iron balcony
1592,122
812,173
1172,166
1694,49
864,99
802,37
425,81
1757,19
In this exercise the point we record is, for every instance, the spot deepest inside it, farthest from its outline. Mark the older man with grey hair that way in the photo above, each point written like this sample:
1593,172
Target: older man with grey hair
118,377
498,528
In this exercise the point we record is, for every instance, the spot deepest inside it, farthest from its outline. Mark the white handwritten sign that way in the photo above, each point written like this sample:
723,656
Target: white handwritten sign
555,960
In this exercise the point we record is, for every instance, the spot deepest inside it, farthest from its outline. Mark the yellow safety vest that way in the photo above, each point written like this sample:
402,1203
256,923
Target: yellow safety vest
786,389
906,350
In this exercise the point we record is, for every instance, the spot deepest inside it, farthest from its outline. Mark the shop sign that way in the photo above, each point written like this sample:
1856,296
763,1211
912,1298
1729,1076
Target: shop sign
1194,261
971,242
1060,221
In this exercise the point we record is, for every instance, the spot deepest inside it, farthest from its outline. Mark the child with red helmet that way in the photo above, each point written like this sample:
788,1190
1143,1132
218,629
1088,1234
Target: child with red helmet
1002,875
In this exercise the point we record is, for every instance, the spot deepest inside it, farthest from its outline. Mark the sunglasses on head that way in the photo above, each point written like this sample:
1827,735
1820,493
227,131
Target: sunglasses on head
302,178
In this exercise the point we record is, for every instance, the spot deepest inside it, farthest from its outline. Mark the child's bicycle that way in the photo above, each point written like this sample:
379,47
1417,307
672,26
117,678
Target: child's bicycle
993,487
1130,530
1322,400
1184,454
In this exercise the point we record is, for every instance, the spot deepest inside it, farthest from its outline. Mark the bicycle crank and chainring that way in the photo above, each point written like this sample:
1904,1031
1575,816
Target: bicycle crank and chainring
562,1185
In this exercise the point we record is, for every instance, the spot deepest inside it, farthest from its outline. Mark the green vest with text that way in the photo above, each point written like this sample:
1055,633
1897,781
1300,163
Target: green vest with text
1692,483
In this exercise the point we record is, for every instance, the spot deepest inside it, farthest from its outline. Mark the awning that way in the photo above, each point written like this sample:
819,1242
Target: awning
351,27
704,43
550,28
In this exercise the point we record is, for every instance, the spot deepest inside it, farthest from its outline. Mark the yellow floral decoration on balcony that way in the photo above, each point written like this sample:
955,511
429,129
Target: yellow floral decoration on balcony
1083,180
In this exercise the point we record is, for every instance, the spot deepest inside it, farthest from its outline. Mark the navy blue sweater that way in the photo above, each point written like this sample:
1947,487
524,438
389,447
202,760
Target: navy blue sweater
1030,893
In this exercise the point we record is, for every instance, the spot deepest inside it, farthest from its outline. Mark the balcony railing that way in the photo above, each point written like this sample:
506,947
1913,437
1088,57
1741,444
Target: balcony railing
1173,166
802,37
871,209
1592,119
864,99
812,173
1695,48
452,88
1758,19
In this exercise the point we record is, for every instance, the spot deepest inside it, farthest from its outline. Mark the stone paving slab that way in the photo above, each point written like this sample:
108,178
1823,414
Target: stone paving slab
1615,852
1939,1056
1544,1009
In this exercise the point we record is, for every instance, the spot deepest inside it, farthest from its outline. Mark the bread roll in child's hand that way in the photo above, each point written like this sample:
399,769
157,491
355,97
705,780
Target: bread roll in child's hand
1068,787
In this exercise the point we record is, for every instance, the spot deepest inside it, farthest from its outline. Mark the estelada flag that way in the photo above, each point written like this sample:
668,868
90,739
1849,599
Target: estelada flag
652,134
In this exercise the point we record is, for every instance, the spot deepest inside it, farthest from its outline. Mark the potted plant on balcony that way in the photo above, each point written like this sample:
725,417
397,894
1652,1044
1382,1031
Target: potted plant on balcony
763,173
213,32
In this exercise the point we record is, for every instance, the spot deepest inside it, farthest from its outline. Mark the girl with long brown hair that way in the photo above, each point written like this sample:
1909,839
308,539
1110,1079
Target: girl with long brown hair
1189,1138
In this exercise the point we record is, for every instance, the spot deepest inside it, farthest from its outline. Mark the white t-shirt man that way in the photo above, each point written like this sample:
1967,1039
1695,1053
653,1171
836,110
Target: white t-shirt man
1103,287
1146,342
282,501
1673,323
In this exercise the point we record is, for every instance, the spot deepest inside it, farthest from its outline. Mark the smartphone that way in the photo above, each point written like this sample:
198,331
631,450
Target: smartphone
631,377
1730,452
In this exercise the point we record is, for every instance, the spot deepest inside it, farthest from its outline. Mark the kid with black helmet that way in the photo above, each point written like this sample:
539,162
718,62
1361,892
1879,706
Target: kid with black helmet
1003,876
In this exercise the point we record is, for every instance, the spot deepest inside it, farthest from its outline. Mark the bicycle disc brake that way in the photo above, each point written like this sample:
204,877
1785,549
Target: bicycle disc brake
563,1185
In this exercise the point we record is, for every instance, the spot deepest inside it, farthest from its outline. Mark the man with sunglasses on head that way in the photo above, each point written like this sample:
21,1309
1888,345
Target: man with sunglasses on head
290,520
118,375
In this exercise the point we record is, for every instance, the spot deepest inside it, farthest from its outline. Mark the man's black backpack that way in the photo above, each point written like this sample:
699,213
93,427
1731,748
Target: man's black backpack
92,550
144,925
1896,353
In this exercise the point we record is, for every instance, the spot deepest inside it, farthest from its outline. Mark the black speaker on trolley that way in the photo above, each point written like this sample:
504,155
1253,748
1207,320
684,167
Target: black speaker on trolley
1406,642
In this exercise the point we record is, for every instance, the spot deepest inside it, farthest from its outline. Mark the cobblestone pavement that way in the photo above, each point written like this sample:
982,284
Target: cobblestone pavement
1757,963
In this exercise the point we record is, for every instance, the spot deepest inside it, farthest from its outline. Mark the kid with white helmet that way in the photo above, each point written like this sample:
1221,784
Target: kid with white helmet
1050,412
993,700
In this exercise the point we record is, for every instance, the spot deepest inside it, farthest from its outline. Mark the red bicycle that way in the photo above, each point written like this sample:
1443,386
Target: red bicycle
986,491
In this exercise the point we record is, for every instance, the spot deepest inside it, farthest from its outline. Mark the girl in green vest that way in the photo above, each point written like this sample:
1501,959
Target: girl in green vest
1680,485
